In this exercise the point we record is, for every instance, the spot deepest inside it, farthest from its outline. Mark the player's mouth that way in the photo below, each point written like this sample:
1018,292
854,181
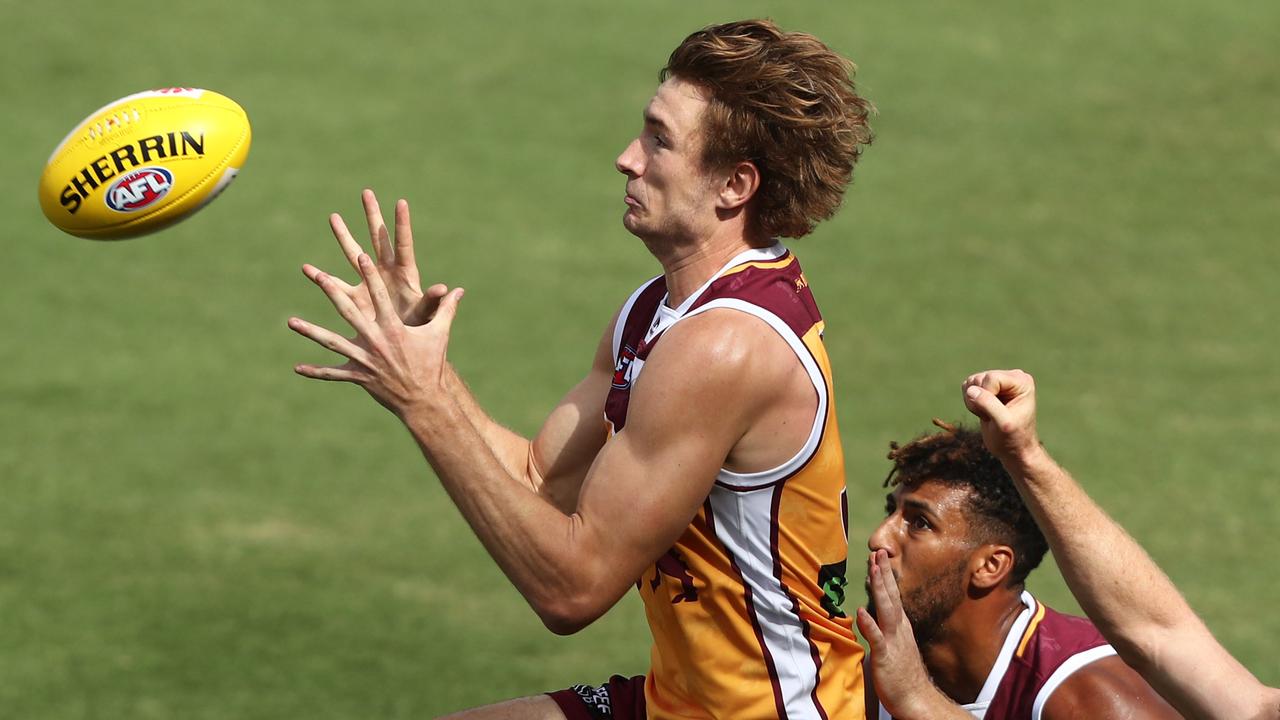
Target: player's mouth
631,201
897,576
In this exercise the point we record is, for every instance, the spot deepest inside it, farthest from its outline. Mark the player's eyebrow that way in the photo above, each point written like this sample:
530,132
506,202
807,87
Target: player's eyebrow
650,118
921,507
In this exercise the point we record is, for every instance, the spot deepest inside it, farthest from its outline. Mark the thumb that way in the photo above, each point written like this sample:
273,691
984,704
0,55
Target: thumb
425,308
447,311
985,405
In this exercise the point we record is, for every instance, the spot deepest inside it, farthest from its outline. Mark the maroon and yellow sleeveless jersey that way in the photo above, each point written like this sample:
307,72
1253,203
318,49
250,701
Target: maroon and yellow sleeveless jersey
745,607
1043,649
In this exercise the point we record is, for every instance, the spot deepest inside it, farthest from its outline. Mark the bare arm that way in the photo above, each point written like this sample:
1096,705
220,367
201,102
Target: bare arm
1118,585
555,463
686,414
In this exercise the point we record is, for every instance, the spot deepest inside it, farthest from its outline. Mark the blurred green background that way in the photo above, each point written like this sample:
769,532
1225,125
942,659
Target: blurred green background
1084,190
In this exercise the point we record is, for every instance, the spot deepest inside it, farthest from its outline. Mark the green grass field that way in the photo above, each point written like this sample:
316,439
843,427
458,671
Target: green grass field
187,530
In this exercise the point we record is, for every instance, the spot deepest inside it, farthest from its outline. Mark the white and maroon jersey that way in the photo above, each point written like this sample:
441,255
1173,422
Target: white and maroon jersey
745,607
1043,649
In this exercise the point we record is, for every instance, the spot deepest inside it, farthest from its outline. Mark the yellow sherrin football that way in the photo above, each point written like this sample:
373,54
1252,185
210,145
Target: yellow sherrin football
144,162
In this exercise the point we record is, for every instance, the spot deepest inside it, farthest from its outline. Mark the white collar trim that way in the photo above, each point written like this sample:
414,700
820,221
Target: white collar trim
979,706
773,252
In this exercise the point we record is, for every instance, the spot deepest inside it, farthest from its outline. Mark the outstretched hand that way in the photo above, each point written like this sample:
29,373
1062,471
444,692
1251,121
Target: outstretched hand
1005,402
396,264
400,365
902,684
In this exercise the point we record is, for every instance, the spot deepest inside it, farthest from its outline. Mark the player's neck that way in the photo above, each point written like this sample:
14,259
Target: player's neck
689,266
961,656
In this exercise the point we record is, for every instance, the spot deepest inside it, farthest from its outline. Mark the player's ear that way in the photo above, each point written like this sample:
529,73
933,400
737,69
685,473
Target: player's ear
991,566
739,186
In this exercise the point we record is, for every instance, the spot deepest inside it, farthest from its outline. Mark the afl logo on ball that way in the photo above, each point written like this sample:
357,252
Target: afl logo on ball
139,189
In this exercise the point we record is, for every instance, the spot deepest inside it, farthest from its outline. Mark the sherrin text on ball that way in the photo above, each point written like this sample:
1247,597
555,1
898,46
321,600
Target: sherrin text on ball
144,162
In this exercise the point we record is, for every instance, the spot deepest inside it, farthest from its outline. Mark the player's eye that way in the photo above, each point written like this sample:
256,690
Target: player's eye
919,522
657,140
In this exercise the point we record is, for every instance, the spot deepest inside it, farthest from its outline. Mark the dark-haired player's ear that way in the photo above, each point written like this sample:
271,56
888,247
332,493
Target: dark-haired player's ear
991,566
740,185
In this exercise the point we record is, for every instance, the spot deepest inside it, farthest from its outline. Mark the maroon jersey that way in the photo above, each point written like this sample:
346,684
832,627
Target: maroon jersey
1043,649
767,283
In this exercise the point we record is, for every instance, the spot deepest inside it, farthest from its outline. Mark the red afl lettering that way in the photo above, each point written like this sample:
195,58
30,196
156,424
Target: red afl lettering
139,189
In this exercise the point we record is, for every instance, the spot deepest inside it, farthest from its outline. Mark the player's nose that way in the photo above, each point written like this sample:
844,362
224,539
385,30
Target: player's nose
631,161
882,537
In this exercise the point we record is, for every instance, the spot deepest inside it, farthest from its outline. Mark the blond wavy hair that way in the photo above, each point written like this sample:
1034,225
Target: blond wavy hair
785,102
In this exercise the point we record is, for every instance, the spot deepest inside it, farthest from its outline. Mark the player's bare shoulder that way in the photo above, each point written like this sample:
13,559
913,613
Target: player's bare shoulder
733,345
1107,688
738,363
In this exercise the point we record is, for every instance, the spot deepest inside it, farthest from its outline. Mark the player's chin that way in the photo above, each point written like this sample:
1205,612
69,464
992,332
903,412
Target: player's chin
631,222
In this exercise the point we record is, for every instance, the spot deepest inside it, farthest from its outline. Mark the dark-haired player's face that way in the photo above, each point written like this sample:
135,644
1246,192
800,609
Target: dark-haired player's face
926,535
668,195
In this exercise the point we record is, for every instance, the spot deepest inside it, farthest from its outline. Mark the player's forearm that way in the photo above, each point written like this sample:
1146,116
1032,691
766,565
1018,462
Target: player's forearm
1133,602
1114,579
511,449
514,451
539,548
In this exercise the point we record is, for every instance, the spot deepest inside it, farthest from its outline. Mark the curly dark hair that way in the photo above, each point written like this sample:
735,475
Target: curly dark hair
956,457
787,103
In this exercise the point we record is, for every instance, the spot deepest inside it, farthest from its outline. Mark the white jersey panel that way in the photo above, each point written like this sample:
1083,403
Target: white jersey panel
744,524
